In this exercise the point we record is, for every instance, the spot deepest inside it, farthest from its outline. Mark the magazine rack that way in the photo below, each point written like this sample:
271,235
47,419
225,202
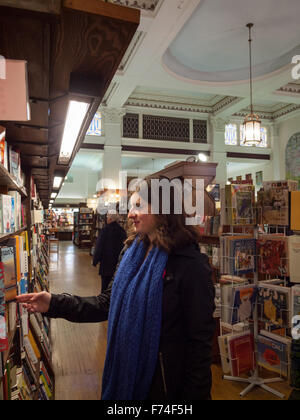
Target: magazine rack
255,380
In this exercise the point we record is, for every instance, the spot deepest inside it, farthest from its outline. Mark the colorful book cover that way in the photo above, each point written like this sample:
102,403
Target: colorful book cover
14,161
3,329
274,206
6,210
240,205
242,256
295,210
274,306
289,184
295,300
242,354
243,304
10,277
273,355
2,145
294,258
273,255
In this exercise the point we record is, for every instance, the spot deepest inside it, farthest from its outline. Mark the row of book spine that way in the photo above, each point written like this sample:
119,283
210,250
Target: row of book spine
25,351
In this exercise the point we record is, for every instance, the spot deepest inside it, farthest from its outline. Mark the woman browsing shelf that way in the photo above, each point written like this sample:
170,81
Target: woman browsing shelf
160,309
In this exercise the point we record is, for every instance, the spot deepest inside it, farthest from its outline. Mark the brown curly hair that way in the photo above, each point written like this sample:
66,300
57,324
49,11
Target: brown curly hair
171,231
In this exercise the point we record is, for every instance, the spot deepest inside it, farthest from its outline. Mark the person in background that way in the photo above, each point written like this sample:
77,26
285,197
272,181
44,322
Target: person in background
109,244
159,308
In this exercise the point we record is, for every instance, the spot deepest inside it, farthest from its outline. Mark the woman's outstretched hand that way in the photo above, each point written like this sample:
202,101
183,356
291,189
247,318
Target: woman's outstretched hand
35,302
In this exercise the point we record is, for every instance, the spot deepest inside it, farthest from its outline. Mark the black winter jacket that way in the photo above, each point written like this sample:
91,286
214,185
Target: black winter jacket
108,247
183,371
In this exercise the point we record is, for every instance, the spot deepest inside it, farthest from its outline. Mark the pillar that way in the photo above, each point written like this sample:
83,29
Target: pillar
218,150
112,158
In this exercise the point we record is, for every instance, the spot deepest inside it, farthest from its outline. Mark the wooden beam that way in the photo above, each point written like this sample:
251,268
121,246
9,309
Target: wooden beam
248,156
92,146
30,149
161,150
102,8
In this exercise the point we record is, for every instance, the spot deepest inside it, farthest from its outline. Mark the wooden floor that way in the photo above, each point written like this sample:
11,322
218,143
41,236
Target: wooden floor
79,350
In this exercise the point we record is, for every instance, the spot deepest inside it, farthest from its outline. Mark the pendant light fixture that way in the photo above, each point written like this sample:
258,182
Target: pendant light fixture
252,123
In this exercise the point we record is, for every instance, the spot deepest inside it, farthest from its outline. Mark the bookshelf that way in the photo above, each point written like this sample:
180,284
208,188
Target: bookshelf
5,236
26,371
7,180
84,228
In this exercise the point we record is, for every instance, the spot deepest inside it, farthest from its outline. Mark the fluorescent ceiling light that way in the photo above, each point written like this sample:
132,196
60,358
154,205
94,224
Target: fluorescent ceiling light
57,182
75,117
54,195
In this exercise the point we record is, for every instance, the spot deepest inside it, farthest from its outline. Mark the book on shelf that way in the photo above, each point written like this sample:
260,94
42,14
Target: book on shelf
15,164
274,306
10,275
294,258
237,255
273,202
239,205
6,213
238,303
16,212
272,251
241,353
244,300
3,329
274,353
295,292
294,214
289,185
3,148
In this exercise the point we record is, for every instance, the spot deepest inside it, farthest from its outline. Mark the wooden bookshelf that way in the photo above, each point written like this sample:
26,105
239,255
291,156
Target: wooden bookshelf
11,338
5,236
7,180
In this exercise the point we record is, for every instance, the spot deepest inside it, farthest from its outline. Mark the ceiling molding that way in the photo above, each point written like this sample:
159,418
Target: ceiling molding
149,5
290,88
131,51
150,104
272,116
225,103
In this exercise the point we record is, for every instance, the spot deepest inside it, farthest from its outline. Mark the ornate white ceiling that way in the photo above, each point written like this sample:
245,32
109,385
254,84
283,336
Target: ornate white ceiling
210,37
213,45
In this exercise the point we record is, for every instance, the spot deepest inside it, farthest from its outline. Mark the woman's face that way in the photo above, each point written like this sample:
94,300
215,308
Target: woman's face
140,214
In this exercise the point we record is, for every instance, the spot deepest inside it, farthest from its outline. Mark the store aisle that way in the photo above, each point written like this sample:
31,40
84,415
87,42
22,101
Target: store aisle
78,350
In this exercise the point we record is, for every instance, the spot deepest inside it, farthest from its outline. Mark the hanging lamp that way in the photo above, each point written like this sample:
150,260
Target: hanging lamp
252,123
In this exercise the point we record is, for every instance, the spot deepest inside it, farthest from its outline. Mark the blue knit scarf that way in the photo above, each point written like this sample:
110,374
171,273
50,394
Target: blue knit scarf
134,326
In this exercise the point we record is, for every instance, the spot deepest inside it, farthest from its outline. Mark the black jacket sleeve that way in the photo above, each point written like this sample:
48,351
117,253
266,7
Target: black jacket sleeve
99,247
80,309
198,301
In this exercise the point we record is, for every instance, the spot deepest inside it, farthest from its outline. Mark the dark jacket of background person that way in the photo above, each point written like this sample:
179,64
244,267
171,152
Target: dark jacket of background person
183,370
108,247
